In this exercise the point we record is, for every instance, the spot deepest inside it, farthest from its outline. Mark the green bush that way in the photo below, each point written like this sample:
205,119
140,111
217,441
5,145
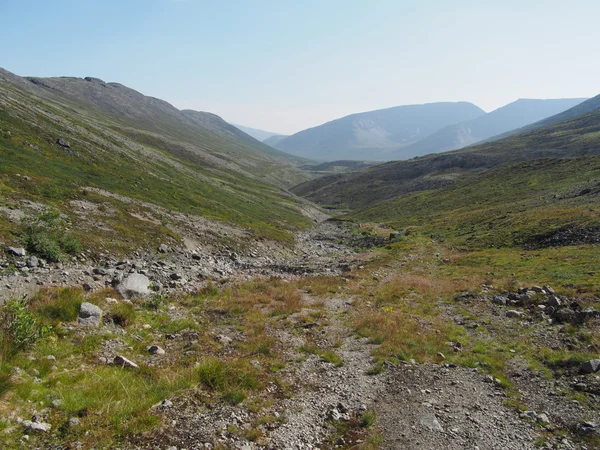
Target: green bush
41,243
368,418
20,327
45,235
70,245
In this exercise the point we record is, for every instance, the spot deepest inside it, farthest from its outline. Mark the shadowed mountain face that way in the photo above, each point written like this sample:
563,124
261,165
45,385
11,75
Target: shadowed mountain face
69,133
510,117
577,136
374,135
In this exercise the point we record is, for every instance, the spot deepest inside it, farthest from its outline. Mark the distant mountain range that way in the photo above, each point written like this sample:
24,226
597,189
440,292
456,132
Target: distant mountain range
509,117
575,132
374,135
403,132
259,135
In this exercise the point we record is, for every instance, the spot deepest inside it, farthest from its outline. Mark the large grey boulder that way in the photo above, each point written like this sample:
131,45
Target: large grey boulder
591,366
90,315
16,251
134,284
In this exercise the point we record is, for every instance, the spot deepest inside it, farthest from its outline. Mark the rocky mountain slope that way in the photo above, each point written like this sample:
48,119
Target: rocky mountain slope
507,118
574,137
374,135
203,137
68,139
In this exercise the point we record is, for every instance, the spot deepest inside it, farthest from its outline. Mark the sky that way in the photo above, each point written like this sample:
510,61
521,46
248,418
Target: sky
284,65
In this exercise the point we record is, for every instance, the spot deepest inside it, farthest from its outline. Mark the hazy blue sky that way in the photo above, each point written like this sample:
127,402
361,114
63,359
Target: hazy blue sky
286,65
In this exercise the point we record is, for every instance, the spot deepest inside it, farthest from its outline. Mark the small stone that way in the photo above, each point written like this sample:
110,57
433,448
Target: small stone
500,300
543,418
164,404
175,276
156,350
163,248
90,315
529,415
511,313
37,426
225,340
111,300
74,422
124,362
431,423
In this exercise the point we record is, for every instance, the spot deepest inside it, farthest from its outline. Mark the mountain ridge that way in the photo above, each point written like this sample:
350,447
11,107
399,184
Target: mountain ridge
512,116
372,135
578,136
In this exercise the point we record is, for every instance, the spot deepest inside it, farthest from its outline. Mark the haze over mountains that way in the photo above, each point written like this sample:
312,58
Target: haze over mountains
510,117
579,135
260,135
406,131
373,135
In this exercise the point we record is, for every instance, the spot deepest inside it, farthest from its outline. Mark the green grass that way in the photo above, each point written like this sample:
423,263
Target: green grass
512,206
173,181
326,355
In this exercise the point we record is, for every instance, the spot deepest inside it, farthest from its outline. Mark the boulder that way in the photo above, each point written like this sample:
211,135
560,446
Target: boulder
16,251
500,300
90,315
591,366
33,262
565,315
553,300
134,284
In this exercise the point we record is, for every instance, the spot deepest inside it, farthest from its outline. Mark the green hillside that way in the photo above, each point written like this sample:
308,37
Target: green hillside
136,147
578,136
524,204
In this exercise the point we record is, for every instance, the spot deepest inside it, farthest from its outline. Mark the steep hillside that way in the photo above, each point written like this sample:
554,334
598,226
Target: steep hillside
374,135
202,137
73,140
584,107
575,137
512,116
524,204
259,135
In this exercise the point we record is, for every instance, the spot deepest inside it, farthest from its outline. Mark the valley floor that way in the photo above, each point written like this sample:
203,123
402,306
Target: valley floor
351,341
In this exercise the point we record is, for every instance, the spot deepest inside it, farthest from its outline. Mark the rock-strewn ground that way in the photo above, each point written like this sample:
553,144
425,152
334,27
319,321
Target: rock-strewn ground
318,401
